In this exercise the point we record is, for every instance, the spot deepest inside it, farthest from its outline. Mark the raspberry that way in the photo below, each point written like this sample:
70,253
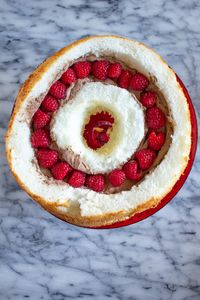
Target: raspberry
139,82
148,99
40,119
155,118
47,158
124,79
145,158
156,140
60,170
77,179
116,177
82,69
40,138
58,90
131,170
114,70
50,103
69,76
100,69
95,182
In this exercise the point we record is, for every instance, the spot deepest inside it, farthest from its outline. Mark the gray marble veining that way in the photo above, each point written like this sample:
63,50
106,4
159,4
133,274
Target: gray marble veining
44,258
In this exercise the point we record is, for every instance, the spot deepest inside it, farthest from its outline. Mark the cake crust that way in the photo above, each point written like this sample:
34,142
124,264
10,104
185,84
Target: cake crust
56,208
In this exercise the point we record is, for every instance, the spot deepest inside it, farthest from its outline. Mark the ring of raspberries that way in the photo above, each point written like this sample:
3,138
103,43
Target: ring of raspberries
96,132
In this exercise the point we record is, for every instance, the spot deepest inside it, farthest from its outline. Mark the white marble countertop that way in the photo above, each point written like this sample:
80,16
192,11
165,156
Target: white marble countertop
44,258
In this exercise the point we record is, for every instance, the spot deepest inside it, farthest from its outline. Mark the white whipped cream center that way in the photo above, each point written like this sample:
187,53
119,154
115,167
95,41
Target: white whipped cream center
128,130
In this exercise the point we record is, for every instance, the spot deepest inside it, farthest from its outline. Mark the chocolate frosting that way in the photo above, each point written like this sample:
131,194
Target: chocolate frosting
75,160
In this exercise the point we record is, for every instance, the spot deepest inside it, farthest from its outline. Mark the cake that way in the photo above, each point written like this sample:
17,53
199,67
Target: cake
100,131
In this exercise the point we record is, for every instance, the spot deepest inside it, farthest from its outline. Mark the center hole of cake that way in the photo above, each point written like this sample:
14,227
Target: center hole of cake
98,128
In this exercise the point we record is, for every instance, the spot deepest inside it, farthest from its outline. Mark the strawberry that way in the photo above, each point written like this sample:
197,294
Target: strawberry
50,103
47,158
82,69
100,69
131,170
77,179
60,170
156,140
58,90
40,138
40,119
139,82
124,79
148,99
145,158
116,177
114,70
95,182
155,118
68,76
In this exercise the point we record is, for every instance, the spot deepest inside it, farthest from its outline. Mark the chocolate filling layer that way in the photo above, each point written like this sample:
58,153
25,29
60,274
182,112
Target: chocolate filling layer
74,159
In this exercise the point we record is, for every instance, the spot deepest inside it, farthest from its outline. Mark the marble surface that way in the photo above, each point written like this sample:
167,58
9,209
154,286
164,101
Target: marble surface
44,258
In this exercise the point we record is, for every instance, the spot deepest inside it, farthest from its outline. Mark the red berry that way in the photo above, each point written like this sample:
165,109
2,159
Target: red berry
148,99
60,170
103,137
114,70
139,82
40,119
58,90
94,138
131,170
40,138
145,158
47,158
95,182
124,79
77,179
101,119
82,69
50,103
69,76
155,118
116,177
156,140
100,69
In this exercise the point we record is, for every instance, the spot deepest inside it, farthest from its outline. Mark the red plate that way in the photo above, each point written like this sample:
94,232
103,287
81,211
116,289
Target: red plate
145,214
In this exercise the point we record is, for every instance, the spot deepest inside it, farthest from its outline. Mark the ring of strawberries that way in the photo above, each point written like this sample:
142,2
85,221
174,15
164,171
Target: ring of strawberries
96,132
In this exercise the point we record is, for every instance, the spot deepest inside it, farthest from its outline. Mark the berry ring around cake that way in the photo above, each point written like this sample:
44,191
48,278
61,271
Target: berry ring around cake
100,132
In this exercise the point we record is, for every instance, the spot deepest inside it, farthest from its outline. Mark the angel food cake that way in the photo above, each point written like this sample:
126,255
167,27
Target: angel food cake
100,131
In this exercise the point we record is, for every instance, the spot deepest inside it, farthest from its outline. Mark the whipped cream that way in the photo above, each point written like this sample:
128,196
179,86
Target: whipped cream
128,130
